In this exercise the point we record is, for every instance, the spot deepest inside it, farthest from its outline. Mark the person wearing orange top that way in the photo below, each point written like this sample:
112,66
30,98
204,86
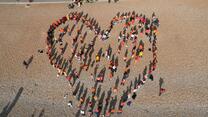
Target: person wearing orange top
61,30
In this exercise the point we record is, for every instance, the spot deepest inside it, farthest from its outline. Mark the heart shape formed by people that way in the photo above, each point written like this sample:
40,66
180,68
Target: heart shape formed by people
86,47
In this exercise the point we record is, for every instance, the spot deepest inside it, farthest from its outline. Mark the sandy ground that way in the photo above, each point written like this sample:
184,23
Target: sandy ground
183,59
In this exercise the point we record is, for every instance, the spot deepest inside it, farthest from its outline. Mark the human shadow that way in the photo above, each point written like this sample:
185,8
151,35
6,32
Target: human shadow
88,63
54,55
28,62
100,103
140,82
130,87
95,70
94,87
144,71
60,62
64,49
86,103
128,63
85,94
98,91
80,91
116,61
116,83
107,101
87,50
126,54
74,76
58,58
100,52
84,37
77,113
8,108
101,75
74,52
65,65
125,76
81,28
102,97
108,51
72,29
80,70
69,69
42,113
124,97
33,114
92,64
76,89
113,104
113,58
53,50
135,82
91,52
161,81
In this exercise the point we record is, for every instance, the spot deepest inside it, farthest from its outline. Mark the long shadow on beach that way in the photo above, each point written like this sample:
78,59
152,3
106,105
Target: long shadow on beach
28,62
42,113
8,108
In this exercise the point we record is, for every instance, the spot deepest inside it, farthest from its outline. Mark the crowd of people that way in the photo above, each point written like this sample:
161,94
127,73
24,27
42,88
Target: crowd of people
79,3
135,26
75,3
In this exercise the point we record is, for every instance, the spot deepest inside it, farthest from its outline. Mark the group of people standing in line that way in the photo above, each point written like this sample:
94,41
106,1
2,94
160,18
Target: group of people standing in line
80,2
135,25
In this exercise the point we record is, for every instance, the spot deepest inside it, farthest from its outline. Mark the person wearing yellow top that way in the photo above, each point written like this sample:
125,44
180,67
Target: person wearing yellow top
140,54
97,58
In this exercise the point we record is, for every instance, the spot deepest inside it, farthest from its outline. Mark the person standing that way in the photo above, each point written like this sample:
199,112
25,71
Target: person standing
161,90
